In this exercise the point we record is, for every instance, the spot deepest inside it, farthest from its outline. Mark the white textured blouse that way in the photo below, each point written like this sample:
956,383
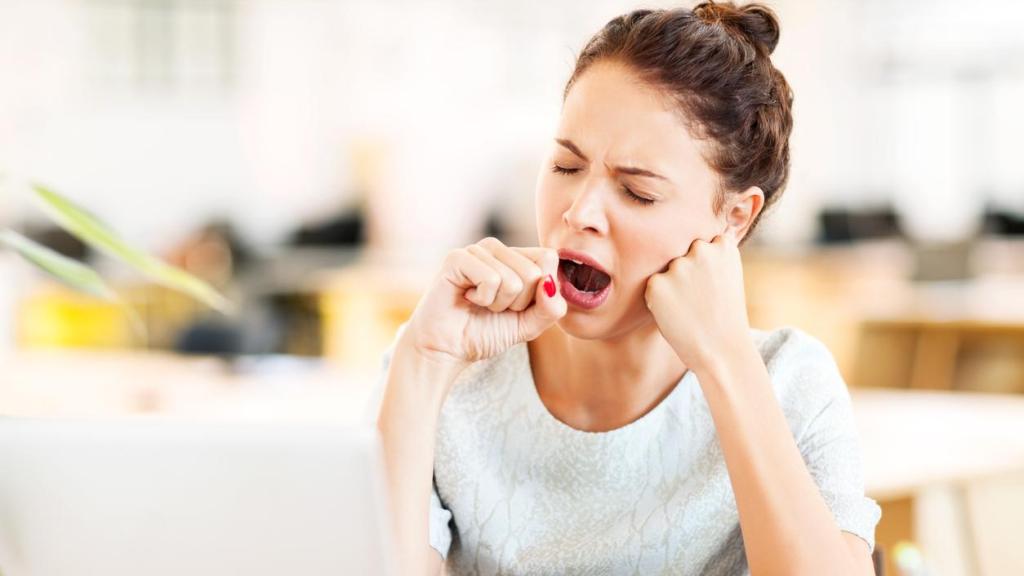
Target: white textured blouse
517,491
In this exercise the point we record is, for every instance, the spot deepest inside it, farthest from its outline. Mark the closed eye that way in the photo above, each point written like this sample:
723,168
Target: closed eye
637,198
629,193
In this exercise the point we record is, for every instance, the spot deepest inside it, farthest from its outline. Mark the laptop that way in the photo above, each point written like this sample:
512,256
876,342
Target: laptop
149,496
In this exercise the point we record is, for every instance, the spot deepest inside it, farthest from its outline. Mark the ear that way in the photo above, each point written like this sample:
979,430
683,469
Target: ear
742,209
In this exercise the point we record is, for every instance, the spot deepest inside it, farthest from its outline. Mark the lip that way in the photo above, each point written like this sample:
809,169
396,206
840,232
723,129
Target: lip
569,254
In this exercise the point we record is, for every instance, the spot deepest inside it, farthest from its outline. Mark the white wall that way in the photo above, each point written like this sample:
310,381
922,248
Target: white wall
462,102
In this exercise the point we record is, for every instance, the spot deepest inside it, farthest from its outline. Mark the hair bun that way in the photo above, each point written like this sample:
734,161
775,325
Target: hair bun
757,22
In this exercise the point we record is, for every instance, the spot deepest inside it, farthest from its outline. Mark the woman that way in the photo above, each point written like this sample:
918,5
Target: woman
600,404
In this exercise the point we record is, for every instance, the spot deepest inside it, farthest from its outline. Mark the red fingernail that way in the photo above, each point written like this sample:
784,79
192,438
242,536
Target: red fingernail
549,286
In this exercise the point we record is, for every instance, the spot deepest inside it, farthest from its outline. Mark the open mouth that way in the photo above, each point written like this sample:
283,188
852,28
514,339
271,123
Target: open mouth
583,277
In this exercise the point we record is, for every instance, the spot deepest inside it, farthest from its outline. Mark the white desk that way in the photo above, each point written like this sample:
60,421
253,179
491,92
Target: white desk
64,383
914,439
959,458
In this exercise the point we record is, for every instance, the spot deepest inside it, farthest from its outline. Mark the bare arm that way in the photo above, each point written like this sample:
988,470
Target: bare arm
415,390
487,298
787,527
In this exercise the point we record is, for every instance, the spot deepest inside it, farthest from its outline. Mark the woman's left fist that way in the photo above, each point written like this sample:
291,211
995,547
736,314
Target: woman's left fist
699,302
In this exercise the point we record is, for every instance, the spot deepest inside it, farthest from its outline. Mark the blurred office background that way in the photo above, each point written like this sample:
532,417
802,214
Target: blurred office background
315,159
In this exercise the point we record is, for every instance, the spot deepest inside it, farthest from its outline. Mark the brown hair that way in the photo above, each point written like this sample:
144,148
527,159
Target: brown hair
714,63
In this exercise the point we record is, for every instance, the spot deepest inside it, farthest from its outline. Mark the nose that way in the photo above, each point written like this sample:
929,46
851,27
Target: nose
587,210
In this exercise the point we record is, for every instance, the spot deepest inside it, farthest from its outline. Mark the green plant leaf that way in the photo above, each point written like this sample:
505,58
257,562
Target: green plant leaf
71,272
92,231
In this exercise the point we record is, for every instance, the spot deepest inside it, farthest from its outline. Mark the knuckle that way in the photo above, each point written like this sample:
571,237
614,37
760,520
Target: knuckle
455,257
533,274
650,295
512,285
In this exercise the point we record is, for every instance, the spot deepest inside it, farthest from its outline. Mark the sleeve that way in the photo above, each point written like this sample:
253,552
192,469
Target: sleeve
440,517
828,440
440,530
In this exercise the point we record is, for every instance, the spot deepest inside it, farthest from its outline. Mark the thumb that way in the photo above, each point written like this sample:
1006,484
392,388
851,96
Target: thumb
545,310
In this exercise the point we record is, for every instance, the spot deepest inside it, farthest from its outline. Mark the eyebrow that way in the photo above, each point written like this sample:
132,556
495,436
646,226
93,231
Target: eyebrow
569,145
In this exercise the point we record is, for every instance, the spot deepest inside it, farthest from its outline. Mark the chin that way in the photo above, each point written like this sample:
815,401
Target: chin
606,325
579,324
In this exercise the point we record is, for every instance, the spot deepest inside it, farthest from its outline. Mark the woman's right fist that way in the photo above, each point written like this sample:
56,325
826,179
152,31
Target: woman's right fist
487,298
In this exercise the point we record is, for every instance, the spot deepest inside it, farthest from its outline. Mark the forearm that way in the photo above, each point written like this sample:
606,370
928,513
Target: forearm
407,422
787,527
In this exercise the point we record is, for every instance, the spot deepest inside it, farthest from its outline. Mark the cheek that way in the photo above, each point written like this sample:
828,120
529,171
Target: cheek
548,202
653,244
640,262
675,238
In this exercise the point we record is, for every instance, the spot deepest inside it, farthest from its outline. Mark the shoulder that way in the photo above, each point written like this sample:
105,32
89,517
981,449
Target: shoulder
818,408
803,371
787,344
791,353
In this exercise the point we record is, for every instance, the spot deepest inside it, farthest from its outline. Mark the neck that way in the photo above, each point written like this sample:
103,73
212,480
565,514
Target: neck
604,384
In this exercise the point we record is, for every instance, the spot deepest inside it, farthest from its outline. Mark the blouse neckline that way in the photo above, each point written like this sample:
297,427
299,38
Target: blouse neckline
645,422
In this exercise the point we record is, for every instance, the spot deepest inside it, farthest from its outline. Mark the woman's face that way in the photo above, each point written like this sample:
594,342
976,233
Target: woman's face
626,184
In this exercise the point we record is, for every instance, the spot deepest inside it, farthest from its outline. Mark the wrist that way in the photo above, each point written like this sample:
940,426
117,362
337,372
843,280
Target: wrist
440,361
427,373
719,362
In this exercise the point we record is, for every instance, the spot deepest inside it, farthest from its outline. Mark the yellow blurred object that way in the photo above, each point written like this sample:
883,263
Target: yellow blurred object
56,316
908,559
165,312
362,307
